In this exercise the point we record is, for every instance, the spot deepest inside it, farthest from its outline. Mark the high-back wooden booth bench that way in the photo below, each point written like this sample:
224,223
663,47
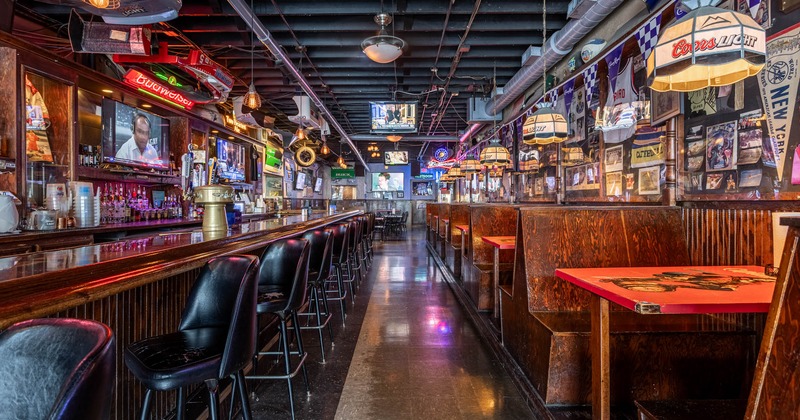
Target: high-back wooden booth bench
459,216
477,267
546,321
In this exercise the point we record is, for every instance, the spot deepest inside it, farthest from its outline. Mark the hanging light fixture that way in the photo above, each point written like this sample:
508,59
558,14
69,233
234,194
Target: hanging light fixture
394,138
103,4
545,126
707,47
470,165
495,154
251,99
455,171
383,48
324,150
300,133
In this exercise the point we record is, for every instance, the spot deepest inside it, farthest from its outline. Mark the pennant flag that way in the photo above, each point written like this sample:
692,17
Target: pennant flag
569,90
778,83
613,59
590,79
647,36
754,6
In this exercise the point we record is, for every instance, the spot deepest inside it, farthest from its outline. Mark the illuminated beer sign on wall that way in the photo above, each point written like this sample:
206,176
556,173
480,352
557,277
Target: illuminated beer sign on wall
235,124
146,84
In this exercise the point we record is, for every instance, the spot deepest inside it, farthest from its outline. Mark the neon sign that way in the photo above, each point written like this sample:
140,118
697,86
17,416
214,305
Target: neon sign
237,126
147,85
441,154
444,164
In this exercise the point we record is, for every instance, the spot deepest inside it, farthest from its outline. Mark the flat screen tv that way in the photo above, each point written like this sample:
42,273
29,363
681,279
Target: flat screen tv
393,117
387,181
230,160
133,137
273,159
318,185
300,180
395,158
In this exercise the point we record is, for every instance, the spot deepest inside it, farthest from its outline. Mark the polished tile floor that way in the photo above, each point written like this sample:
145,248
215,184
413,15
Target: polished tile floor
406,352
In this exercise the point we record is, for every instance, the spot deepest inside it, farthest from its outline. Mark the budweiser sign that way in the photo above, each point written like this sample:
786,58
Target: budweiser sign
144,82
682,47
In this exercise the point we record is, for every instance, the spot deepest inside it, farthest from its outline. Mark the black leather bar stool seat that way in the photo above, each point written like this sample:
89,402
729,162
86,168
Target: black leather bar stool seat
282,287
56,368
215,339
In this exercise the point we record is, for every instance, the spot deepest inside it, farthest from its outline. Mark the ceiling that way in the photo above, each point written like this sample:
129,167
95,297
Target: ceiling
455,50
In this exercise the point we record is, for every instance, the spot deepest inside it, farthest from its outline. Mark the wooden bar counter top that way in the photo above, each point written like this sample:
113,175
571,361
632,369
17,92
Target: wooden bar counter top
42,283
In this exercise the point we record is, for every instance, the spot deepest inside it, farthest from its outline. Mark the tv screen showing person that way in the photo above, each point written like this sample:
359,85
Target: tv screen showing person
138,148
386,181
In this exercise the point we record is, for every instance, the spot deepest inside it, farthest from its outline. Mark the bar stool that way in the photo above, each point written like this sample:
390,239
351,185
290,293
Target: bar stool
365,243
282,287
56,368
339,260
353,260
319,245
215,339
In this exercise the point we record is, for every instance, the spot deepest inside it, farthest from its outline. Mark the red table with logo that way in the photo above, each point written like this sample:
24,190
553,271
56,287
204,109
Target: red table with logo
662,290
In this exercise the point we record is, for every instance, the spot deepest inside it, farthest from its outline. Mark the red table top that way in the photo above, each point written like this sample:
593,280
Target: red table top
446,220
501,242
678,290
463,228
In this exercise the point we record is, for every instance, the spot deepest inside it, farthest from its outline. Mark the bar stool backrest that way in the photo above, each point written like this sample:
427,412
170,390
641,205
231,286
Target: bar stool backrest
320,243
341,242
56,368
355,235
284,263
224,296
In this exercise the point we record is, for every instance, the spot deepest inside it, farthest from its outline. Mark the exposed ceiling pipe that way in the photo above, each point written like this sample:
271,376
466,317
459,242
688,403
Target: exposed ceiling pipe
559,45
439,139
265,37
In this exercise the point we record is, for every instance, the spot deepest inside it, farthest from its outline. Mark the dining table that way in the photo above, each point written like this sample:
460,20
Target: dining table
661,290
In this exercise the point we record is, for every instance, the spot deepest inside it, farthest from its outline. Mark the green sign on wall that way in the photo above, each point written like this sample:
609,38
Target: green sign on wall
339,173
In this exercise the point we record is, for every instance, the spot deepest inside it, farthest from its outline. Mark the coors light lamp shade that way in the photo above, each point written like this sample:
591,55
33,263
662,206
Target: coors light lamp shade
545,126
383,48
707,47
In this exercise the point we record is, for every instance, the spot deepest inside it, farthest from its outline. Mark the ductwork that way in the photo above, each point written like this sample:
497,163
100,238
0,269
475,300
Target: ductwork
265,37
559,45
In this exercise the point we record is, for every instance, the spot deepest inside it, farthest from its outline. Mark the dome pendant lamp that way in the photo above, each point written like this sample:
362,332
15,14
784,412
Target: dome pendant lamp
495,155
251,99
383,48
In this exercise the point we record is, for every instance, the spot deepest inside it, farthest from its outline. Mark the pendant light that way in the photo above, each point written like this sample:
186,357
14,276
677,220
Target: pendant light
324,150
546,125
470,165
394,138
707,47
103,4
495,154
455,171
383,48
251,99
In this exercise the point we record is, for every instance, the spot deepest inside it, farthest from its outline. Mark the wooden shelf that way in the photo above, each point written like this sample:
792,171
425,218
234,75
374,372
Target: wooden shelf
126,175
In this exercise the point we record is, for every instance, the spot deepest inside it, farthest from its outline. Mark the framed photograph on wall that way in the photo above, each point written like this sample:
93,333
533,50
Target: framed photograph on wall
664,105
401,194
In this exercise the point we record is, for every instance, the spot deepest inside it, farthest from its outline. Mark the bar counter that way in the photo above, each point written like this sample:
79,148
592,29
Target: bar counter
42,283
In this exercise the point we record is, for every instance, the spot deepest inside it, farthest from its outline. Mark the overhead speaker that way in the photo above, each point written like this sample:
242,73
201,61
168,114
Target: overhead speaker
102,38
415,168
359,170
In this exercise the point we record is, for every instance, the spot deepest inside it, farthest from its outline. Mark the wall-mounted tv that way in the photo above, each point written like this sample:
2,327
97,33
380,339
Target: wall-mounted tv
230,160
387,181
395,158
134,137
300,180
273,159
393,117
